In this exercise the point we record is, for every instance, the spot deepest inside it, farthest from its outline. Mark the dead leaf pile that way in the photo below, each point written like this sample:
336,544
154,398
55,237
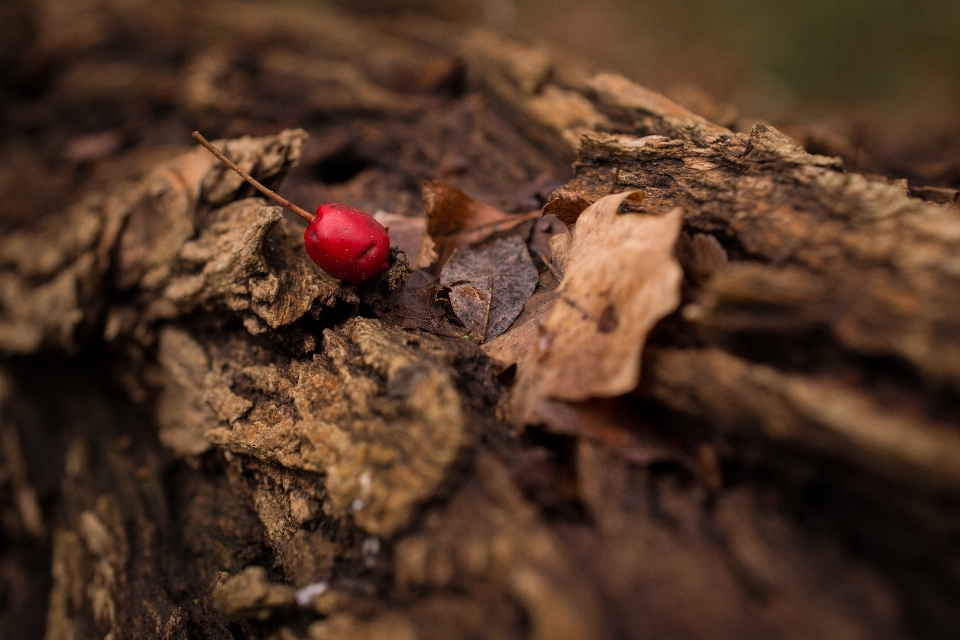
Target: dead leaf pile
570,307
473,269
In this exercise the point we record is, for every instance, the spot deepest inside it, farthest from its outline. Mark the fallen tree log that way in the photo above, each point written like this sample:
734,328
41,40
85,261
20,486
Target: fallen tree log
205,436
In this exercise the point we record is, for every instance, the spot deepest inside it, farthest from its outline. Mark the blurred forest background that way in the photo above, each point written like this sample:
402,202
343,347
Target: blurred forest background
884,75
875,81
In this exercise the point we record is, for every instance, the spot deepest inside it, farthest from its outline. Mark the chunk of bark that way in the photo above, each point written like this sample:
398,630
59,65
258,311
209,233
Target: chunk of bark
381,420
872,265
162,210
49,297
250,595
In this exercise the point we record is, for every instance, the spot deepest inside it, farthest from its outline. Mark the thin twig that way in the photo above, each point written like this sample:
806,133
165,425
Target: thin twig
616,178
306,215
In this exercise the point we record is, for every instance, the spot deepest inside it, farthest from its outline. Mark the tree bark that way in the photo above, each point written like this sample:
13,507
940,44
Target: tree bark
199,427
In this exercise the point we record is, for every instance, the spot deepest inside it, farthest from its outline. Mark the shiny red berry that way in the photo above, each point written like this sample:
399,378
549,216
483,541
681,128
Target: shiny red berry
342,240
347,243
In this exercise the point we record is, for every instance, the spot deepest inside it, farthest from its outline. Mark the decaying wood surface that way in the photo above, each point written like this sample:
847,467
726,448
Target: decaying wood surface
202,435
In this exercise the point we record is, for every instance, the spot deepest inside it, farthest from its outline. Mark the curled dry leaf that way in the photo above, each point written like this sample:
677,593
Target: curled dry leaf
567,206
489,286
621,278
455,219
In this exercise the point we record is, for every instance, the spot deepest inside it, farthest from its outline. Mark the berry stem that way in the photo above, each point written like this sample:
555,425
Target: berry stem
303,213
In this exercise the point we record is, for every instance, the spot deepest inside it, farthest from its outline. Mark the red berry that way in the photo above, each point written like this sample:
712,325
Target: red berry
343,241
347,243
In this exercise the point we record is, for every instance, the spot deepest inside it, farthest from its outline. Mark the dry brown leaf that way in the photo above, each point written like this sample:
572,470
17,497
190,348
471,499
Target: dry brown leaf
568,205
455,219
489,286
621,278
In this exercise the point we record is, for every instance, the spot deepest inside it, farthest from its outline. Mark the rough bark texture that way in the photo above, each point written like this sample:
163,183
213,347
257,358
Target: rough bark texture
196,424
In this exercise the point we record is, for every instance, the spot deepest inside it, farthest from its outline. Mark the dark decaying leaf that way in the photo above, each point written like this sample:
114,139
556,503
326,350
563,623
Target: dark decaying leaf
416,307
489,286
455,219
